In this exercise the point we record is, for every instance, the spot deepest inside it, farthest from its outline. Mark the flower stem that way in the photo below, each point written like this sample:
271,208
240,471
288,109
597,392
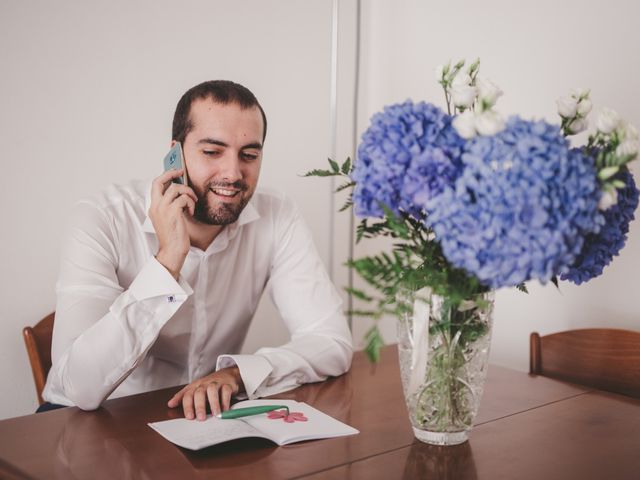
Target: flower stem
446,97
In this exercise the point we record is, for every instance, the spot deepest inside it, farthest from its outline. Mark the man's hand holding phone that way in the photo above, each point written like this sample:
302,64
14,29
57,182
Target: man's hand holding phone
170,202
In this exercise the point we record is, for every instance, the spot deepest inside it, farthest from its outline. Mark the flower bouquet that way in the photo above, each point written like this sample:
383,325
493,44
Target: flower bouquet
473,203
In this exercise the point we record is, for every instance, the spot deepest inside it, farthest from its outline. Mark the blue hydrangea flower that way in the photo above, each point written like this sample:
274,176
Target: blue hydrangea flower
409,153
599,249
521,208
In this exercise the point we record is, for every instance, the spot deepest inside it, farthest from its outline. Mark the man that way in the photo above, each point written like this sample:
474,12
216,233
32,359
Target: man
158,283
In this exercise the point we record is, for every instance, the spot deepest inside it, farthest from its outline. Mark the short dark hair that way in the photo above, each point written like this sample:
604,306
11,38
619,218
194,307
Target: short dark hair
220,91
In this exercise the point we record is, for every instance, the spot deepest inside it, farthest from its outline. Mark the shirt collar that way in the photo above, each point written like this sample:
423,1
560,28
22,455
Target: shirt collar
249,214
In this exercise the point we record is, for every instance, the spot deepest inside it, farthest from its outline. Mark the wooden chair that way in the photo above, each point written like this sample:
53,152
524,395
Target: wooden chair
604,358
37,339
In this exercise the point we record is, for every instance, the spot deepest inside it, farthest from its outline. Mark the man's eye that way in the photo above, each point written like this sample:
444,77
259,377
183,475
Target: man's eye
249,156
211,152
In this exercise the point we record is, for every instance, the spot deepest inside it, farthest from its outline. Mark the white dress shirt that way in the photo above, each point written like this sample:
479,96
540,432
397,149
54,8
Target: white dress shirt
124,325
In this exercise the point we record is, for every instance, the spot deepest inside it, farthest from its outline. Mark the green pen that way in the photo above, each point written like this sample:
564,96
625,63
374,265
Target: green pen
245,412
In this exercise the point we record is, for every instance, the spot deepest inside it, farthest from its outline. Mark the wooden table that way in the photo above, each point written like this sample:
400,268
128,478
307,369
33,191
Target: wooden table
528,428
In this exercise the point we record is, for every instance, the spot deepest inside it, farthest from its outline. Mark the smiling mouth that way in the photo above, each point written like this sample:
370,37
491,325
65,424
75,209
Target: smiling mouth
224,192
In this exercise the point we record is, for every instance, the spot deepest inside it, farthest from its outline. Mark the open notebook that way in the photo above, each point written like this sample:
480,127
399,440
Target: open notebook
194,435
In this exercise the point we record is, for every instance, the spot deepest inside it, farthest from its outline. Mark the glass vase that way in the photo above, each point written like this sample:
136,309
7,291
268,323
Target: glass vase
444,350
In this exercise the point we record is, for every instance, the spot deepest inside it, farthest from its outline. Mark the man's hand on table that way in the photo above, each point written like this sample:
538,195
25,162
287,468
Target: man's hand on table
215,389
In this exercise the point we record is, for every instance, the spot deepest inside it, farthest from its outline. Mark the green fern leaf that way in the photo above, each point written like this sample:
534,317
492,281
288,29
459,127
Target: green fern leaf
346,166
319,173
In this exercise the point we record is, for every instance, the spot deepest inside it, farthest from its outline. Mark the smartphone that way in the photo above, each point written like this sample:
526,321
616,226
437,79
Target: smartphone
174,160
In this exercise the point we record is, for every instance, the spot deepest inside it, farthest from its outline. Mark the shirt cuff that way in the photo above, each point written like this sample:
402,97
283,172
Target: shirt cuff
254,370
155,281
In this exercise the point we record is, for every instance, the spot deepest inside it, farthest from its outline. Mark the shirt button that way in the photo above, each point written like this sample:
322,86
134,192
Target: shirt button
171,299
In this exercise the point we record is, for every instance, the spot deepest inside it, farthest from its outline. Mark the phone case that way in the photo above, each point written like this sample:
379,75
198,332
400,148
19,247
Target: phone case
174,161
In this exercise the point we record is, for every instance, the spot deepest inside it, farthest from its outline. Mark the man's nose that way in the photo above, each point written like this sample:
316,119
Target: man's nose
230,169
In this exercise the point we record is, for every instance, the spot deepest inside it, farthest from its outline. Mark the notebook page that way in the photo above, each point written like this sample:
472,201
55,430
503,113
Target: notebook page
318,424
194,434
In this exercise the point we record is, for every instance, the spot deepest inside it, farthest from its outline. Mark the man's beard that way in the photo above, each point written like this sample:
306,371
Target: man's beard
224,213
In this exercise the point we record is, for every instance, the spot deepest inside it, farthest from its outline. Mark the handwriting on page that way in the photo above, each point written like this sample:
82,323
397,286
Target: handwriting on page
195,435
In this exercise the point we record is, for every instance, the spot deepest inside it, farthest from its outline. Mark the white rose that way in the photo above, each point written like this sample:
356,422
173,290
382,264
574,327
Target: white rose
489,122
463,95
628,132
461,79
584,107
578,125
607,121
488,92
628,147
465,124
580,93
608,199
567,107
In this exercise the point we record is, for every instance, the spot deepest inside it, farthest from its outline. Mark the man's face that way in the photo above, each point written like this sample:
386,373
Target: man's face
223,154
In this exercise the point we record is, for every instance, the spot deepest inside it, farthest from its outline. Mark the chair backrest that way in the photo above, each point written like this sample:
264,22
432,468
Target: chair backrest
37,339
604,358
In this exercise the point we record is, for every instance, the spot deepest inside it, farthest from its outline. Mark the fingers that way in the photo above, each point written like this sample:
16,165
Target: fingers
168,200
175,191
215,390
225,394
194,400
176,399
184,202
200,402
214,399
163,184
187,405
159,184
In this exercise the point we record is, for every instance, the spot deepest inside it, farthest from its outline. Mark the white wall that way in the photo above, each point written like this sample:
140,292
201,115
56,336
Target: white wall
88,91
536,51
